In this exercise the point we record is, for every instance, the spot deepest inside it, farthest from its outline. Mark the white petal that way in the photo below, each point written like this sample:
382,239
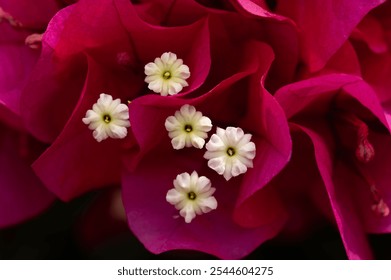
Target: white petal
208,204
182,181
174,197
178,142
217,164
238,168
188,213
171,123
174,88
205,124
203,184
197,142
151,69
248,150
215,143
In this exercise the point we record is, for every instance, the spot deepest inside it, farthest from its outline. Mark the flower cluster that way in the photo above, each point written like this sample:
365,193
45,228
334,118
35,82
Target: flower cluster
231,113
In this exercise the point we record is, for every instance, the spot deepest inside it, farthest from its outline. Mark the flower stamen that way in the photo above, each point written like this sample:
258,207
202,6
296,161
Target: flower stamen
365,151
191,195
107,118
167,75
188,128
230,151
379,206
34,41
8,17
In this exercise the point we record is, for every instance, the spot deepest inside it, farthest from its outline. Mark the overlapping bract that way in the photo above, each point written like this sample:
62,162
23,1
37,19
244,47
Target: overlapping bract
314,73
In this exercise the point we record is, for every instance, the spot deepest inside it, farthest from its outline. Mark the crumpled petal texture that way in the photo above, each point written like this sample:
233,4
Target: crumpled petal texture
110,65
306,80
324,25
315,97
152,219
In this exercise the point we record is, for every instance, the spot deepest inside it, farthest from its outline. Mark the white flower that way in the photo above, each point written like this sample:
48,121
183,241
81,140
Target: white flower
188,128
230,152
192,195
108,118
166,75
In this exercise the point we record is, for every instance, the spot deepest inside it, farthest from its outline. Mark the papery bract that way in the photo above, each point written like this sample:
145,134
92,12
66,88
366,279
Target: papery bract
234,101
21,193
316,107
115,66
372,42
324,25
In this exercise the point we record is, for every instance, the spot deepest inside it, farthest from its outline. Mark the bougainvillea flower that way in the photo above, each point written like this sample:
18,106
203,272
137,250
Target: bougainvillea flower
108,55
225,22
248,212
114,66
342,117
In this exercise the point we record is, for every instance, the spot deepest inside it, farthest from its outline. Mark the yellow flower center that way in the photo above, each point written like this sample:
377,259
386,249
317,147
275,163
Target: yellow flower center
167,75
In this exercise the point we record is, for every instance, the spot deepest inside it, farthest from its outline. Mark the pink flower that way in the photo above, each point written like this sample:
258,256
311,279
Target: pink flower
171,100
105,61
344,120
111,55
108,55
248,212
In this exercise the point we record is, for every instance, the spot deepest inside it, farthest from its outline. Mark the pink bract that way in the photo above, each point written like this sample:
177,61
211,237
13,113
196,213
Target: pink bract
235,228
316,107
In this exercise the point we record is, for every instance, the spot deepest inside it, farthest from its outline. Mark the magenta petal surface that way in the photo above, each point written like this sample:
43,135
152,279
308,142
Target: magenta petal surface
273,153
33,15
256,8
336,183
17,62
190,43
348,194
116,39
22,195
55,80
235,228
324,25
157,225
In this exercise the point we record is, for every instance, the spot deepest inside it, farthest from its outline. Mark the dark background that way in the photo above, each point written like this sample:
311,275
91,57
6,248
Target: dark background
81,230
